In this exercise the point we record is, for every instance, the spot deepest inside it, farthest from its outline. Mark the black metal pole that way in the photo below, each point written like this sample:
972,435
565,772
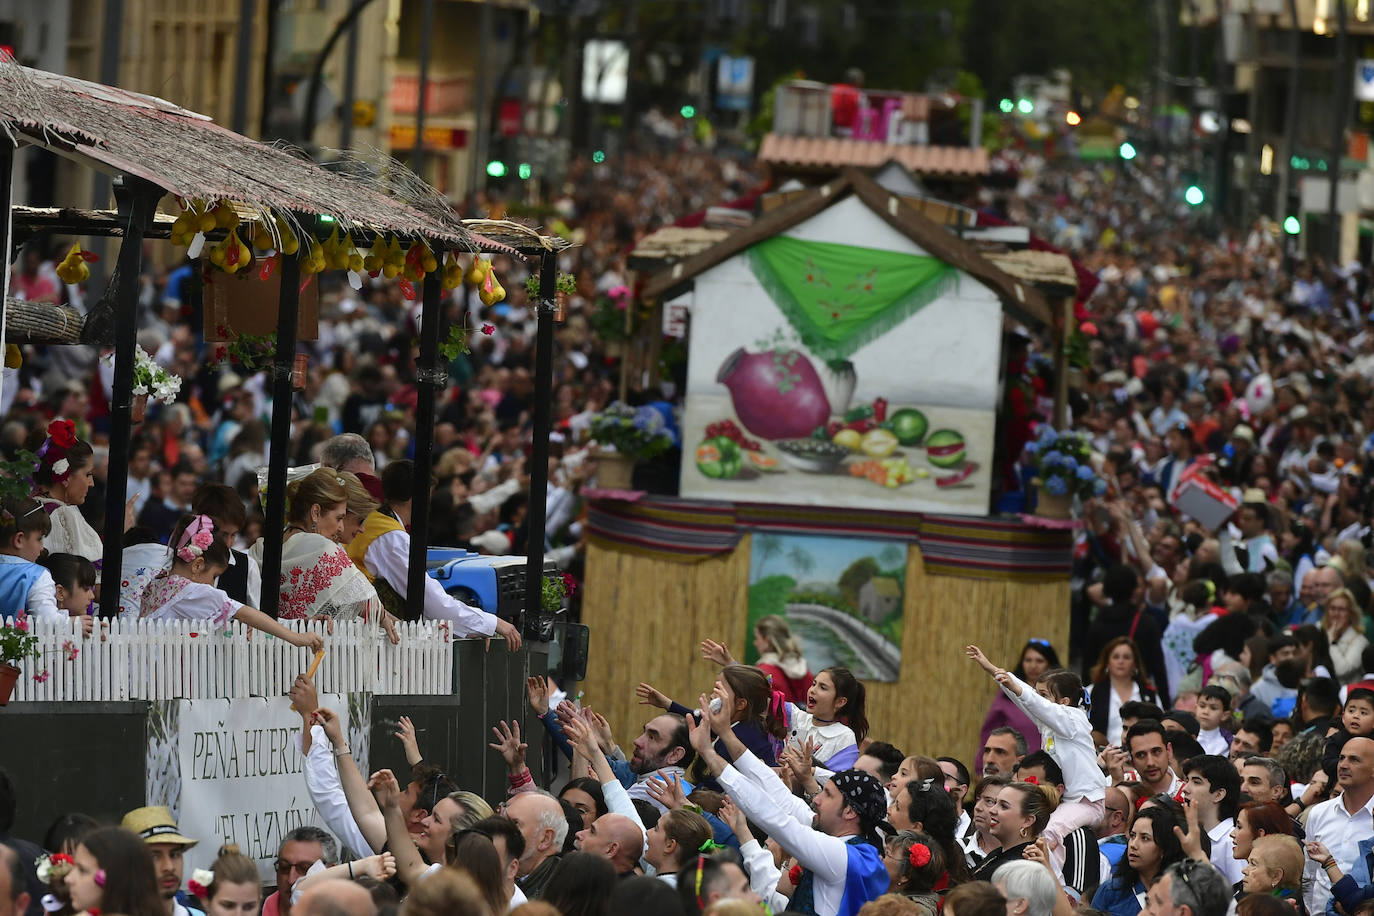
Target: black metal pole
539,454
428,377
1338,122
288,317
243,62
417,154
350,92
137,199
1290,120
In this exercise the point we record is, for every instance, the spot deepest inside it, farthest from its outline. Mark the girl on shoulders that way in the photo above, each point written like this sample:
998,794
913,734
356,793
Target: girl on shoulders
834,721
186,591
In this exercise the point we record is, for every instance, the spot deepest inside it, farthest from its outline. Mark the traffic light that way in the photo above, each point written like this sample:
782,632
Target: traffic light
496,168
1292,225
689,111
1007,105
1194,196
525,170
1025,106
598,157
1126,151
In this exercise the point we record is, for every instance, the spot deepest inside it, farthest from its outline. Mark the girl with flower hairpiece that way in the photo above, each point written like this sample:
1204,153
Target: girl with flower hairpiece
186,591
63,477
915,863
113,873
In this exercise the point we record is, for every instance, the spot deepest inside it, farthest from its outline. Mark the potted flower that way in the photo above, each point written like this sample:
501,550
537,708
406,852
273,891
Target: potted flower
624,436
16,645
1063,470
565,286
556,588
150,381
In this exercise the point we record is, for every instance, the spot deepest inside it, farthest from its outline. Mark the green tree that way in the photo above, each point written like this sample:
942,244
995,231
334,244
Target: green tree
892,556
768,547
853,578
801,560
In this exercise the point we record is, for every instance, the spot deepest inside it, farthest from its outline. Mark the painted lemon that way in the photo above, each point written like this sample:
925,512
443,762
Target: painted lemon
849,438
878,443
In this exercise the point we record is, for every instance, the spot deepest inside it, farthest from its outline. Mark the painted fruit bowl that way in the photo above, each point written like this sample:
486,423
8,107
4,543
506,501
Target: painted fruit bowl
816,456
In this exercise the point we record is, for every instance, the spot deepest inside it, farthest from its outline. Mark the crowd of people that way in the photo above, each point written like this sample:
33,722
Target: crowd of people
1205,744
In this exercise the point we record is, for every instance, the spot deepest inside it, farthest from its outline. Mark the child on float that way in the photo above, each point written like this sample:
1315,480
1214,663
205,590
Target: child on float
1056,706
25,586
186,590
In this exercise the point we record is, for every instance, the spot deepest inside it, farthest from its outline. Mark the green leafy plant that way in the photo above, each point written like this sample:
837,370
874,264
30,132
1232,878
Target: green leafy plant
556,588
16,476
638,434
566,283
250,352
17,643
457,341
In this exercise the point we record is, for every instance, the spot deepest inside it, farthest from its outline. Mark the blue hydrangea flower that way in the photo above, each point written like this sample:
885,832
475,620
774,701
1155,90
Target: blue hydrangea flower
1046,435
1056,486
1033,447
1085,472
1053,459
1099,486
1070,464
648,420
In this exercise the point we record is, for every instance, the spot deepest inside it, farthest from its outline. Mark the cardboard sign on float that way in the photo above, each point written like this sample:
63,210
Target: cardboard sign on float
243,303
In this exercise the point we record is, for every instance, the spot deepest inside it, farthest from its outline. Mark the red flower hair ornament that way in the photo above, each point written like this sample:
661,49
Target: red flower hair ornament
919,855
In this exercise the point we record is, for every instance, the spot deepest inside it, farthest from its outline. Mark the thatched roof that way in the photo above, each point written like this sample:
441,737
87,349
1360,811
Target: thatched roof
1047,269
189,155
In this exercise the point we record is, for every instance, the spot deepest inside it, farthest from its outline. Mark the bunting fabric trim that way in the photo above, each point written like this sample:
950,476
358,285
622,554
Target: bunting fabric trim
689,531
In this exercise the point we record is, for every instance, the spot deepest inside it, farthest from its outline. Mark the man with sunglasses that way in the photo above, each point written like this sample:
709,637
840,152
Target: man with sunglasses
301,848
1188,888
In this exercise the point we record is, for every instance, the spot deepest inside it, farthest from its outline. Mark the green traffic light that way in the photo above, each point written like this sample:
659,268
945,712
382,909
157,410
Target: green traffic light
1194,195
496,168
1025,106
689,111
1127,151
1292,226
524,171
1006,105
598,157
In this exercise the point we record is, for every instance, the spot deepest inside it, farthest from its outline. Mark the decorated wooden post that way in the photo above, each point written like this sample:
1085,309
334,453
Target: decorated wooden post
539,454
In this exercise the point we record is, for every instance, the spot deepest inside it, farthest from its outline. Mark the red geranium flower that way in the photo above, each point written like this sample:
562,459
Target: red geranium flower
488,329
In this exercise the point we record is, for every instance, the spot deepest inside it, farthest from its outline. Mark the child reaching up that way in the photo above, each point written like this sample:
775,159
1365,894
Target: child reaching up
186,591
1056,707
25,587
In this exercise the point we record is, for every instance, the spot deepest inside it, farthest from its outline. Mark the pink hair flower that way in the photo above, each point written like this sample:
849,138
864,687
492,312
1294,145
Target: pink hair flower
202,539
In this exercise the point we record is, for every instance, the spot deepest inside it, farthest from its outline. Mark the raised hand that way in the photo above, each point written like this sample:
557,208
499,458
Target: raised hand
509,744
538,689
385,789
735,819
977,655
381,866
666,789
720,721
405,731
333,727
700,733
580,736
717,652
650,696
1192,840
303,695
601,728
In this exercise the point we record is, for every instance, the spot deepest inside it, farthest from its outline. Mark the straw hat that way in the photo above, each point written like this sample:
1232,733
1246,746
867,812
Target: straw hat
155,825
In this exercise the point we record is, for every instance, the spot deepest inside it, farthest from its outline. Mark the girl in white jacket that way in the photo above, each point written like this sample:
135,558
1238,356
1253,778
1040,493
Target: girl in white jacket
1056,706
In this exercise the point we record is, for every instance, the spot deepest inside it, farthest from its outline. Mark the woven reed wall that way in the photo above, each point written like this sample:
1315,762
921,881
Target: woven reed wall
648,617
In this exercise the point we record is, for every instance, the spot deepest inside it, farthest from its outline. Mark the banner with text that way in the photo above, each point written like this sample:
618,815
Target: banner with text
243,776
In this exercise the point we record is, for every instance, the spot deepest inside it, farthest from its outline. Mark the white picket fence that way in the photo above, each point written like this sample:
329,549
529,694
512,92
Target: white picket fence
185,659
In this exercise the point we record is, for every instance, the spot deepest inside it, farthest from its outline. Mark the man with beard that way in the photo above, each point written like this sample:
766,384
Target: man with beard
663,748
167,846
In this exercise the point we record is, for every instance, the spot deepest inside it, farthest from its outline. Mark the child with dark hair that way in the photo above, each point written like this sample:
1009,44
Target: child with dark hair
25,586
74,579
1213,712
186,590
1056,706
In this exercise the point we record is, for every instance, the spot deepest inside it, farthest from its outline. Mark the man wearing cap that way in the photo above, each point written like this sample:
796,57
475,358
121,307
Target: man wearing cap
167,847
837,843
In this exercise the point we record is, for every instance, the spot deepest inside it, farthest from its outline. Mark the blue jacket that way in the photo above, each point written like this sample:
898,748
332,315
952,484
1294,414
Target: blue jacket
1355,886
1119,900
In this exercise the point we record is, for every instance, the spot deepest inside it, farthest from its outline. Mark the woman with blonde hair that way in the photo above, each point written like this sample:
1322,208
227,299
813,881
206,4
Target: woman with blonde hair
1344,626
1274,868
318,579
780,657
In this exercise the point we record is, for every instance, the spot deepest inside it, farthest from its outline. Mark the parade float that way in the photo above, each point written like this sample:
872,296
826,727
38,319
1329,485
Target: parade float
207,706
841,439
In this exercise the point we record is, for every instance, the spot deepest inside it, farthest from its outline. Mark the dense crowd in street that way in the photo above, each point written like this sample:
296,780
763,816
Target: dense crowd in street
1204,745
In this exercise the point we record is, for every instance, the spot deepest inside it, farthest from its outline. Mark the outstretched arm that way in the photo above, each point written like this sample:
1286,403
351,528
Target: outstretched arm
997,673
361,805
409,865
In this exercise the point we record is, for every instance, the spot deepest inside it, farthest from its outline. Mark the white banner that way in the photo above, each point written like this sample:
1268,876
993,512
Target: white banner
1364,80
243,776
